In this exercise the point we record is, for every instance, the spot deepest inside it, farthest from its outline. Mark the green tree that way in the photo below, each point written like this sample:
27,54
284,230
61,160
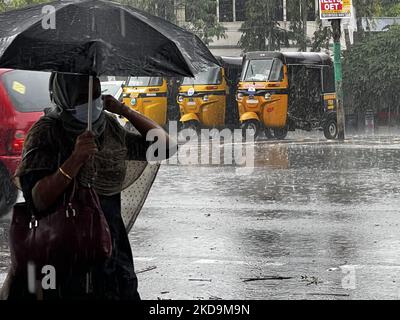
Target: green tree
15,4
298,12
390,8
162,8
261,29
371,72
201,19
365,9
3,5
321,37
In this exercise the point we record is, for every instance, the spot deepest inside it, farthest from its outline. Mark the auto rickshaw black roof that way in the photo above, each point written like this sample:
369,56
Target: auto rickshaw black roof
230,61
304,58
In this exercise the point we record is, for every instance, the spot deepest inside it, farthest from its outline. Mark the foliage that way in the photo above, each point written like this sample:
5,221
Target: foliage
202,19
390,9
365,9
261,30
3,5
15,4
321,37
299,10
161,8
371,71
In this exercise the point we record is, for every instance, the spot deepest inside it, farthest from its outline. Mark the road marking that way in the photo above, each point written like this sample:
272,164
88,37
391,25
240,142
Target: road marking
211,261
377,266
215,261
143,259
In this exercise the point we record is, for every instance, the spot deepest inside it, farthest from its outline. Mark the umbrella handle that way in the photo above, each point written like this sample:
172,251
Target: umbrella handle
90,104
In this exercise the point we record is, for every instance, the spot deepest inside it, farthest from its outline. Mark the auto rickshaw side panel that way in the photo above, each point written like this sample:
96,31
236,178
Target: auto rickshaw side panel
275,111
213,114
208,103
149,101
329,102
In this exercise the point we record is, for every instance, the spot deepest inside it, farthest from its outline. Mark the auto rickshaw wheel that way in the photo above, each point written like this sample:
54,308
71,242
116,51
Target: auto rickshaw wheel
280,133
331,129
253,126
268,133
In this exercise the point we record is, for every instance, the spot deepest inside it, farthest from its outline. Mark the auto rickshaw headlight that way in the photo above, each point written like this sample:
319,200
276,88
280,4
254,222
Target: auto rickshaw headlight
133,101
180,98
267,96
239,96
205,98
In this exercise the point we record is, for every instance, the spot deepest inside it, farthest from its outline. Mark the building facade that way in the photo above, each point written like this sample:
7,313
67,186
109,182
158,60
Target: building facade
231,14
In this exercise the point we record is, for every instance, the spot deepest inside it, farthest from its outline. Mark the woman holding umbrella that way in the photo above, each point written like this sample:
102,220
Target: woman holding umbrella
59,149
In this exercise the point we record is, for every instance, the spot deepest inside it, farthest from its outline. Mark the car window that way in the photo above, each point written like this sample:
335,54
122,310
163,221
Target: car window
28,90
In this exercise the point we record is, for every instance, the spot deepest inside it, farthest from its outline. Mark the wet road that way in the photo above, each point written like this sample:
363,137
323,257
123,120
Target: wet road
312,220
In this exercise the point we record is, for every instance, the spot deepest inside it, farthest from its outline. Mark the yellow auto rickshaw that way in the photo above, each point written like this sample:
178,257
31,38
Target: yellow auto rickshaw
147,95
202,100
278,92
232,68
209,99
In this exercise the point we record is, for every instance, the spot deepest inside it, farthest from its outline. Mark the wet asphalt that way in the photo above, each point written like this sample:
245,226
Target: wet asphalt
312,219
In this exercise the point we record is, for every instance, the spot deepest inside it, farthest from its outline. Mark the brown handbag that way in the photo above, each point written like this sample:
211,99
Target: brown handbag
75,236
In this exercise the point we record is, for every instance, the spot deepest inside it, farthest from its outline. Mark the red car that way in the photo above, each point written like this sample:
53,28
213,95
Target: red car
23,96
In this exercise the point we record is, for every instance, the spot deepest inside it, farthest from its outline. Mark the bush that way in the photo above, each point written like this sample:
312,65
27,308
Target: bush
371,72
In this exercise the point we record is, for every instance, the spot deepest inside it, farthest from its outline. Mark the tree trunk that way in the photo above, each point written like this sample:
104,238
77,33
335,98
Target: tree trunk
347,39
304,18
360,30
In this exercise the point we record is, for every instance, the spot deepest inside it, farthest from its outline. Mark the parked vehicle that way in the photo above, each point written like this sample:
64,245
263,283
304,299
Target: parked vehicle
232,69
23,96
113,88
208,99
287,91
147,95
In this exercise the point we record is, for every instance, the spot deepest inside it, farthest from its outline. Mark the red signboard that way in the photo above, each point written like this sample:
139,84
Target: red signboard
335,9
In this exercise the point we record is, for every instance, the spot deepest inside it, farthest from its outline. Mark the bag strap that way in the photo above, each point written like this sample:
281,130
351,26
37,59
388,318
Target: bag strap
72,194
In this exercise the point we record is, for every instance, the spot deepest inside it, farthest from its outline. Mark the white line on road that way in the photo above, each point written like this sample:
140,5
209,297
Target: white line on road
375,266
143,259
216,261
212,261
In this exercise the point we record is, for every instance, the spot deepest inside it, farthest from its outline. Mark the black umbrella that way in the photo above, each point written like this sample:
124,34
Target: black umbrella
96,38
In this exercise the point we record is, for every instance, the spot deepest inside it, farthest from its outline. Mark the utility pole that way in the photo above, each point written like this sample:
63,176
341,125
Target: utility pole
338,77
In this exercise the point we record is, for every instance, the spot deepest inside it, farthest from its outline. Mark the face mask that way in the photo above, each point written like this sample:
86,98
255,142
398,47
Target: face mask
80,112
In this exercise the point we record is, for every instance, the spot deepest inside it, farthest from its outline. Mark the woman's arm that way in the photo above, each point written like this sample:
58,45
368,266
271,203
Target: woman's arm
47,190
140,122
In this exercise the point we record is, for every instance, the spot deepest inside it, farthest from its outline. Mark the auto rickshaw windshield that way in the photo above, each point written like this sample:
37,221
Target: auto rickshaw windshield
258,70
144,81
210,76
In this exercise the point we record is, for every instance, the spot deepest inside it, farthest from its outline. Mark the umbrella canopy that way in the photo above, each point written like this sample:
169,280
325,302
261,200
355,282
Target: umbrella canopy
98,38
